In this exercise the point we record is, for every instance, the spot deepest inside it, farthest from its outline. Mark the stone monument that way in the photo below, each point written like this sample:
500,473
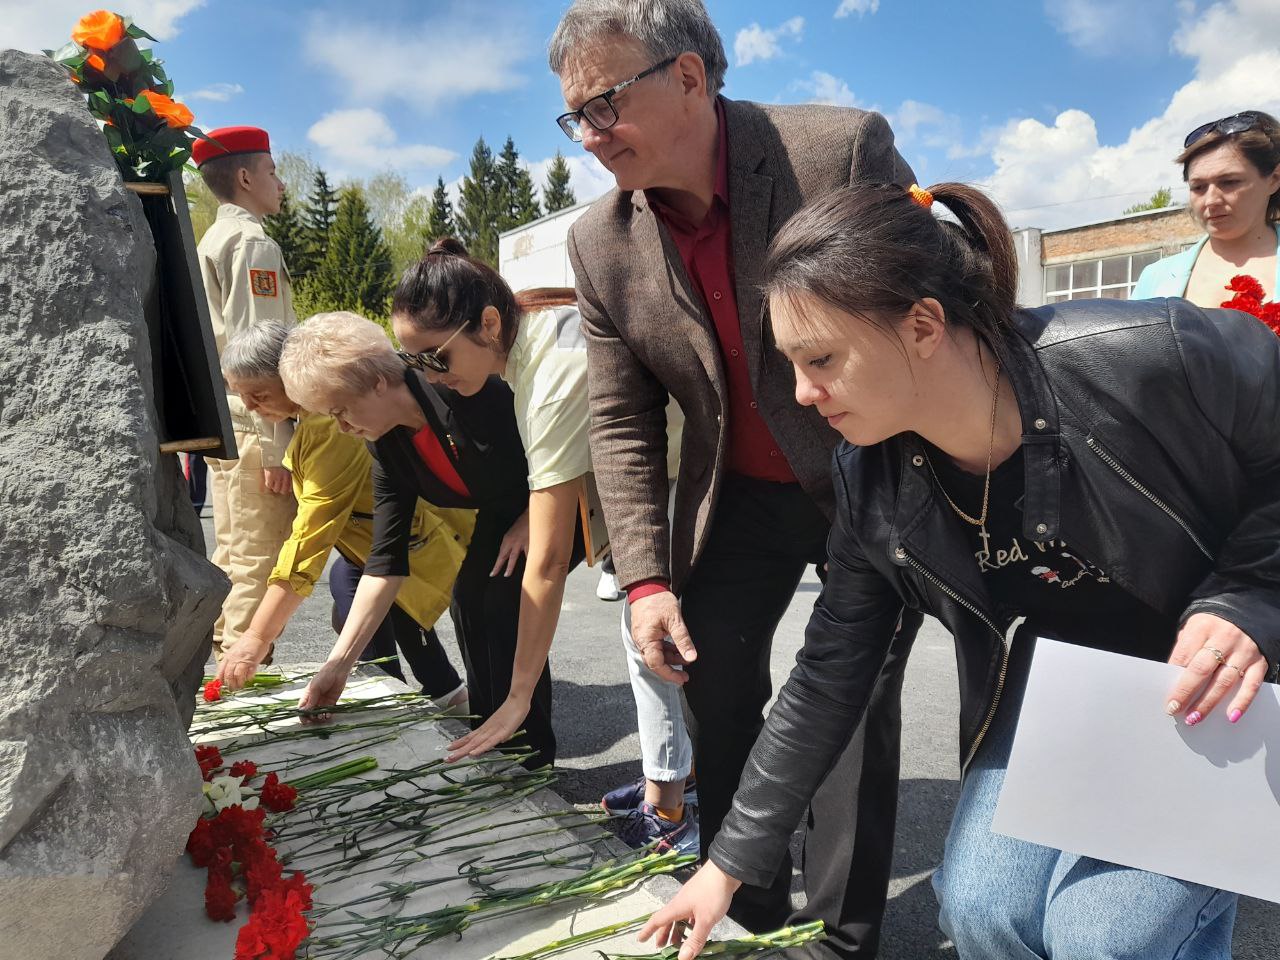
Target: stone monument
106,599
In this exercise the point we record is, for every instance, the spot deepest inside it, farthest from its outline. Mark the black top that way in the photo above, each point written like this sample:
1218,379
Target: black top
479,434
1051,583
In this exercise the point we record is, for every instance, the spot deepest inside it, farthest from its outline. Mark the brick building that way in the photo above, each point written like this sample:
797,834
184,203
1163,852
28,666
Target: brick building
1100,259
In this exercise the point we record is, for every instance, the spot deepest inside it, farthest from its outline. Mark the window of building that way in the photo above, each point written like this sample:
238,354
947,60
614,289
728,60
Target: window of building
1109,277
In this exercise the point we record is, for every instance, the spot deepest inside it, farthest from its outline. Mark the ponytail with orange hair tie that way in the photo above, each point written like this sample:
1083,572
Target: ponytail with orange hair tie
920,195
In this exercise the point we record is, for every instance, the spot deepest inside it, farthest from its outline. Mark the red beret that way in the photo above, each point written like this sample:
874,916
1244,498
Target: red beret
230,140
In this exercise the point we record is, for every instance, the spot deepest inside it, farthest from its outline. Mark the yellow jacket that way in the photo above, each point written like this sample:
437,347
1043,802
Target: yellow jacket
245,280
333,485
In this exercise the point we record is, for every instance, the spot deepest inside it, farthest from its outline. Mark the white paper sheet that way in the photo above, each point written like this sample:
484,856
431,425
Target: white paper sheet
1097,769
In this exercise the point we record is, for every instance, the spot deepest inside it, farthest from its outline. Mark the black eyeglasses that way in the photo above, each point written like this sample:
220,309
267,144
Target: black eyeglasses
599,111
433,359
1236,123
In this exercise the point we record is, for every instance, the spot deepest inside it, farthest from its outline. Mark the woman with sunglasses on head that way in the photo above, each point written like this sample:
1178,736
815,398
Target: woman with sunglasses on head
1232,171
1109,471
451,449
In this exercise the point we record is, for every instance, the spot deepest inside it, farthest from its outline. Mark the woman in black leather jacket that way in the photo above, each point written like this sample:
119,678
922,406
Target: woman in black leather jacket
1108,471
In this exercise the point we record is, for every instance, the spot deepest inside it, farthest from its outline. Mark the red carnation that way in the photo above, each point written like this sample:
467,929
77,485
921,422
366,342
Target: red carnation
277,926
244,768
1244,305
276,796
203,843
219,897
213,691
298,882
210,760
1271,317
1244,284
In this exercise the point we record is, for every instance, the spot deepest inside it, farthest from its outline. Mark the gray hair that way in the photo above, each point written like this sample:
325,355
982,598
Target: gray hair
334,356
254,353
666,28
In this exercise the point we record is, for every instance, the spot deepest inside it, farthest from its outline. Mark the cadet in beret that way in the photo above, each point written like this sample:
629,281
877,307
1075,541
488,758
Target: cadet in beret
246,282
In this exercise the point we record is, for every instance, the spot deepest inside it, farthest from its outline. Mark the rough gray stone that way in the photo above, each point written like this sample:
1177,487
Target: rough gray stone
106,599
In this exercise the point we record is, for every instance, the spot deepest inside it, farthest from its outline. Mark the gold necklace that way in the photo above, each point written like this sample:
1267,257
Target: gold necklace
980,521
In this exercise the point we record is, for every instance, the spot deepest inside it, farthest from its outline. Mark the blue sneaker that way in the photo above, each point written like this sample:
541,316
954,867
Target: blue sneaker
627,798
644,827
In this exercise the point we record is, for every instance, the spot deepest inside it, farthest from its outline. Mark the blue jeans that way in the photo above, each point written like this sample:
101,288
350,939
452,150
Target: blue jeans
666,752
1006,899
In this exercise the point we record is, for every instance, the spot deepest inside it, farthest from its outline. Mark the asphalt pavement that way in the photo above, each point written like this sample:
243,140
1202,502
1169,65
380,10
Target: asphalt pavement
595,725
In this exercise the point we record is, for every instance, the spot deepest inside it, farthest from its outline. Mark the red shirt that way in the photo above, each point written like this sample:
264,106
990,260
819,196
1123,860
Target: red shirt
437,461
707,251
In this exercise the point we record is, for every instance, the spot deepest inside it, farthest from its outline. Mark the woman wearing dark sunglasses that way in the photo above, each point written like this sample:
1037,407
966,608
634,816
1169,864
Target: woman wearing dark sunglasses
1232,170
452,449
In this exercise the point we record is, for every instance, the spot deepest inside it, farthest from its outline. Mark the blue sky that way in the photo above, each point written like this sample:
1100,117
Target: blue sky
1067,110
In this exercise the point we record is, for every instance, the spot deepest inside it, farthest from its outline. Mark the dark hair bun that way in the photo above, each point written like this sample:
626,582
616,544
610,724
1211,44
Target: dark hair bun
450,246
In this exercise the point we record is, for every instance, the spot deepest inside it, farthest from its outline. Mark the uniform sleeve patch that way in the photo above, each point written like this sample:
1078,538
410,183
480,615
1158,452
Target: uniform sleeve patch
263,283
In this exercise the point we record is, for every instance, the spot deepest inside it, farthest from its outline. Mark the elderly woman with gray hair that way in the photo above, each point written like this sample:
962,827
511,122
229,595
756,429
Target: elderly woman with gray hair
452,450
334,489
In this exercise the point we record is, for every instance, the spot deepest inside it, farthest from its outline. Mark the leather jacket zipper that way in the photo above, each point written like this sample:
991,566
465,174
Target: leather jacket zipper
1118,468
1004,647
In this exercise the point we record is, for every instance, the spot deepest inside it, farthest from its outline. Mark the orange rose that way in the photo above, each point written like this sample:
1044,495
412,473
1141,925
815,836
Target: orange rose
100,30
173,113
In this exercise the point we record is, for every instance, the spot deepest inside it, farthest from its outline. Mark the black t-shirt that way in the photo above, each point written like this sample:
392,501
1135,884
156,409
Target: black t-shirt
1060,592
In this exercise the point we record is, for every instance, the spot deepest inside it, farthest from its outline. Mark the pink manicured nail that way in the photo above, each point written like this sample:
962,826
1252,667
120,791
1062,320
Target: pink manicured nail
1235,715
1173,707
1193,718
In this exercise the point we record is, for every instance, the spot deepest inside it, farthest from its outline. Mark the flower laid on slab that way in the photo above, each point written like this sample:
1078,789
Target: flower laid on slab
129,93
1249,296
213,691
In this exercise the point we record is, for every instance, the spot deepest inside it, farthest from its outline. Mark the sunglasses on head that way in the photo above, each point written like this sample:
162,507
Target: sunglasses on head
1236,123
433,359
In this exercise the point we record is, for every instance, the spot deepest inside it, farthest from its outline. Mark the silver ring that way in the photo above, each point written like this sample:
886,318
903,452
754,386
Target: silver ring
1232,666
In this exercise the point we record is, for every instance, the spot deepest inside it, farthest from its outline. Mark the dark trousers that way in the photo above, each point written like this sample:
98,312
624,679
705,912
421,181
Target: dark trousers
486,617
421,647
762,537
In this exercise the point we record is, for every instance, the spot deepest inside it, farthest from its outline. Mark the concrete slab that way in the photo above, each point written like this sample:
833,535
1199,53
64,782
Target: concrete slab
176,928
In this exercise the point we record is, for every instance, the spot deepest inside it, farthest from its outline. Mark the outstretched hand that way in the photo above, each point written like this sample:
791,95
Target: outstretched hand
687,921
494,732
325,688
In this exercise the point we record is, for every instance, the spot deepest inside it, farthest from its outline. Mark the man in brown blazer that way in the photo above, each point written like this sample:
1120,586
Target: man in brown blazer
668,267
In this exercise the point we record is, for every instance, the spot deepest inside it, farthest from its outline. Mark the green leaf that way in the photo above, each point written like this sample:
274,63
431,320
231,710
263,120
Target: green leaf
114,140
135,31
68,51
147,55
141,104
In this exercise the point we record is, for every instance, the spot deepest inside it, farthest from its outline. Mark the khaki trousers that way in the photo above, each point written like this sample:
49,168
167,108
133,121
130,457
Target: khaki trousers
249,526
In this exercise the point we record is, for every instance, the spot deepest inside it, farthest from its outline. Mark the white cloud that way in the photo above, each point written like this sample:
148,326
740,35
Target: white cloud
860,7
361,140
36,25
440,59
1061,173
924,124
823,87
217,92
1111,26
756,43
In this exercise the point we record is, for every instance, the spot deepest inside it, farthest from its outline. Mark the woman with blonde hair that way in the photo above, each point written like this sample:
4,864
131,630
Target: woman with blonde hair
451,450
334,489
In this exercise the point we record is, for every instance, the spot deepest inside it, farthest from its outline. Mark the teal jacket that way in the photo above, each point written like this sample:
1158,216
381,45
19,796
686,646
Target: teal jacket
1169,277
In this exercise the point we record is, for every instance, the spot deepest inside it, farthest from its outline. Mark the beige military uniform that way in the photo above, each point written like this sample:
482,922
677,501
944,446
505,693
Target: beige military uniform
246,281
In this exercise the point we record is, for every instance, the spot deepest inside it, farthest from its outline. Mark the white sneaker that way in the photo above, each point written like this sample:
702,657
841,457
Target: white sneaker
607,588
455,703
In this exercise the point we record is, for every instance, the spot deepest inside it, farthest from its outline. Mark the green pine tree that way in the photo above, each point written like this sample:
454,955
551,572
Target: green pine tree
517,204
319,217
479,206
287,229
440,220
556,192
355,273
